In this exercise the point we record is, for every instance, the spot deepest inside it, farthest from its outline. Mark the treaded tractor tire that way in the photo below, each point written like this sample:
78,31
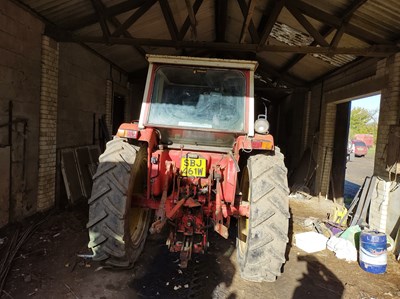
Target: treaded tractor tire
262,238
117,231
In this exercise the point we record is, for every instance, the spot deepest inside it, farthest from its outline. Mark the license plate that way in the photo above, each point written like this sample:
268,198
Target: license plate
193,167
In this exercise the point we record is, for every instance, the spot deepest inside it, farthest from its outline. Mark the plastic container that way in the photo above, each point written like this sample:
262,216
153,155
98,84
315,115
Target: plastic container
373,253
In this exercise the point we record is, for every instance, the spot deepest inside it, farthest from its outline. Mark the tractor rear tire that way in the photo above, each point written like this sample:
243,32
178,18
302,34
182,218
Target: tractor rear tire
118,230
263,236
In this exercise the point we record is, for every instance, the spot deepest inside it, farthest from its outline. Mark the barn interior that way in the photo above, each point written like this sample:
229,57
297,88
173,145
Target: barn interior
73,70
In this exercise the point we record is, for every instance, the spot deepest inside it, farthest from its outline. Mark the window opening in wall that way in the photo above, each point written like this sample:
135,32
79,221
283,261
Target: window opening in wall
118,112
361,143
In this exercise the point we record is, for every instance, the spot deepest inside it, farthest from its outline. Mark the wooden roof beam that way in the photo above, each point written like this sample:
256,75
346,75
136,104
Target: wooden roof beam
266,70
126,34
345,20
192,18
99,8
252,29
307,25
108,12
248,18
346,15
221,16
273,16
373,51
169,19
133,18
114,21
188,22
336,22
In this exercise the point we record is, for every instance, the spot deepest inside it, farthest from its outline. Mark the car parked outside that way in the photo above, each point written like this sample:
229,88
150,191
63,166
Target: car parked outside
360,148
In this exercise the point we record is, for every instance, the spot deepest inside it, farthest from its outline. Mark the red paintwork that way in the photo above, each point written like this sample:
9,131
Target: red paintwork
185,205
193,204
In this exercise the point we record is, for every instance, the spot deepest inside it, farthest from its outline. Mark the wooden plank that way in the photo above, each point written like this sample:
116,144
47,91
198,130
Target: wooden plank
372,185
361,202
71,177
83,160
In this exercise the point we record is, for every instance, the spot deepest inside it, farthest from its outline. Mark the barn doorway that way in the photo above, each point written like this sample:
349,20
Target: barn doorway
363,128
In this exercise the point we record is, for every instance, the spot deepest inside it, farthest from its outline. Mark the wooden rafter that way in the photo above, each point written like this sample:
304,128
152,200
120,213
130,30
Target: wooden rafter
114,21
186,25
345,20
267,70
307,25
221,15
273,16
252,29
126,34
192,18
373,51
169,19
108,12
336,22
346,15
98,7
247,20
134,17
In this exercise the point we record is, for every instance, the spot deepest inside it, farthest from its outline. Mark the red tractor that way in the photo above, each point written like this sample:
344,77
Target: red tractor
195,158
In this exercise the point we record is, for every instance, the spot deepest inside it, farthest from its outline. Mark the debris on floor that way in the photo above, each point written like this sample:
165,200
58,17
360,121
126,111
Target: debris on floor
343,249
311,241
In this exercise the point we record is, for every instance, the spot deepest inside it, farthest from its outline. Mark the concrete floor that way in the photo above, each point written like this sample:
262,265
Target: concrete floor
356,171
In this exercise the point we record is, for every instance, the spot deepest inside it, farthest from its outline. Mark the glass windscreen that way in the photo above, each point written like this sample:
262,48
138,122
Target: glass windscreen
198,98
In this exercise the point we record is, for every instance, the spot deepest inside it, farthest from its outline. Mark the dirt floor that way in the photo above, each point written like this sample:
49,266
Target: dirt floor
47,266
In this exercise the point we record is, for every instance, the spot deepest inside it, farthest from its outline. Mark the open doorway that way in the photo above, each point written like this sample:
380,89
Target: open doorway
118,112
362,138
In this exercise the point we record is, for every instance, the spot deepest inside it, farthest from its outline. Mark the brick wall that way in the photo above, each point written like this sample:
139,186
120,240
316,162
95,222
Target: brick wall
325,149
364,79
48,124
389,113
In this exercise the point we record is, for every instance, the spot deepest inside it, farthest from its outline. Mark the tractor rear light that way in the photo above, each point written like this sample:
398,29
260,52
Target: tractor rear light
128,133
262,144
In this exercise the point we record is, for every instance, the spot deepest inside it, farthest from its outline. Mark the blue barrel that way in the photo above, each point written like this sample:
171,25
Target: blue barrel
373,254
